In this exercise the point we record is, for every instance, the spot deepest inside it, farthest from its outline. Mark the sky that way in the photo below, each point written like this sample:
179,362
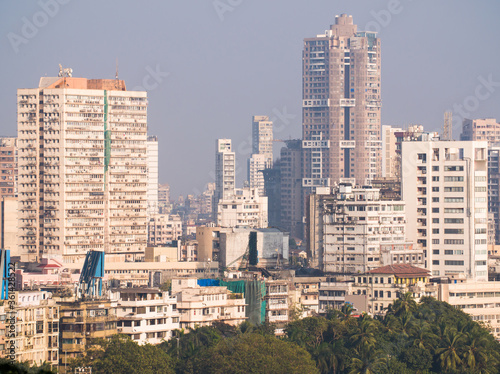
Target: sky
210,65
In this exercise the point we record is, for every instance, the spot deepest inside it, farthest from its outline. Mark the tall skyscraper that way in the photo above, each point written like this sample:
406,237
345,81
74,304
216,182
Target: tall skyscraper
444,185
262,151
224,173
341,105
82,168
291,188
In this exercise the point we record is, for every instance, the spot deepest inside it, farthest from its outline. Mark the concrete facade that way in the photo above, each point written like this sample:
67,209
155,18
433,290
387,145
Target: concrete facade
244,208
352,230
8,167
146,315
341,105
445,190
82,169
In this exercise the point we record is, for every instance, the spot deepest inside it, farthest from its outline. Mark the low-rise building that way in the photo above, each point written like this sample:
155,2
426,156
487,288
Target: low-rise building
147,315
306,294
81,322
36,328
201,306
277,304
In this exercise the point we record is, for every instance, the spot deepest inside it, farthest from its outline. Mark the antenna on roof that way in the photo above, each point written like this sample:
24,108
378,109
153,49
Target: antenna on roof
116,74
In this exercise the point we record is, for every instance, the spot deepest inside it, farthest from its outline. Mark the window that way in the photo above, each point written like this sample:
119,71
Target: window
435,262
454,241
453,189
453,263
454,168
453,220
454,179
454,231
453,199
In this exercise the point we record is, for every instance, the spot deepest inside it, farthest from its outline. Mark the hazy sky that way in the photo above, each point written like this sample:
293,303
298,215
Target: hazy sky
210,65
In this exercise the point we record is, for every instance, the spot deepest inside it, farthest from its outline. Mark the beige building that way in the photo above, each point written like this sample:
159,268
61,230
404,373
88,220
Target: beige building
390,158
481,300
341,105
82,322
8,167
37,328
82,169
487,129
163,228
208,239
152,153
164,204
245,207
146,315
201,306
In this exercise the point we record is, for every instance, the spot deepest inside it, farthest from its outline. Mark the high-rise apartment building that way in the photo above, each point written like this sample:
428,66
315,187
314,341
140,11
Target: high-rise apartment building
8,167
262,136
291,188
82,168
444,185
224,173
262,151
152,175
341,105
353,230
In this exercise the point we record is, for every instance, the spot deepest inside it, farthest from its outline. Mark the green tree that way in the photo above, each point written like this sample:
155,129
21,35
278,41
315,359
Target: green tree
449,351
254,353
122,355
307,332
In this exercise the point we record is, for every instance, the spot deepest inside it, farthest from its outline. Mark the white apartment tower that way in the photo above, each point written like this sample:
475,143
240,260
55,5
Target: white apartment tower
83,171
262,151
152,175
445,188
224,172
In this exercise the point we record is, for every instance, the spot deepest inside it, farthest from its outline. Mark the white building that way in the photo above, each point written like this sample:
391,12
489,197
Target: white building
147,315
201,306
353,230
225,160
244,208
82,168
262,151
152,175
445,188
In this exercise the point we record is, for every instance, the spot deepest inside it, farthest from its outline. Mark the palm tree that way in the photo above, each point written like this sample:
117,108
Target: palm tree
449,351
405,304
369,362
329,357
423,337
364,335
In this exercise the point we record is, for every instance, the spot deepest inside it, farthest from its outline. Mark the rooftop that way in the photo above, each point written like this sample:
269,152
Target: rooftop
401,270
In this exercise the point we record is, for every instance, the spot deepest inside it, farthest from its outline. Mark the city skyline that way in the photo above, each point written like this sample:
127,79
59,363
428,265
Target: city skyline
245,60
